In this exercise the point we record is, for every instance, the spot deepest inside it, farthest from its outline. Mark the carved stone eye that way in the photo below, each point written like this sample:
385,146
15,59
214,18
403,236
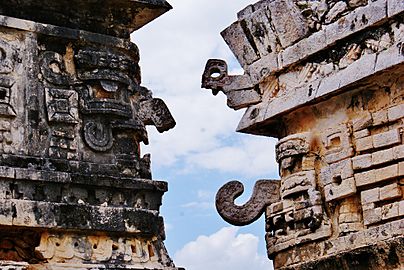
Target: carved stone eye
110,86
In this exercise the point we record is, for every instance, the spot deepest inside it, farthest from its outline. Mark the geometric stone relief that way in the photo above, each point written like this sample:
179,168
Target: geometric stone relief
337,144
72,116
299,216
103,90
62,105
8,58
58,248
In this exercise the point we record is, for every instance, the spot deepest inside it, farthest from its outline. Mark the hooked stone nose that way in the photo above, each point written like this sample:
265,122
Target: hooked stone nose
155,112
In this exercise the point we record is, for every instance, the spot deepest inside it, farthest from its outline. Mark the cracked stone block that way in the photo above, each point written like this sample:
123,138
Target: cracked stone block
335,191
239,43
288,22
362,122
336,172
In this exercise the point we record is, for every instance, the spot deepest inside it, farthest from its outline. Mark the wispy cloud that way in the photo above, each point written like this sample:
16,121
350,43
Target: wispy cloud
225,249
174,52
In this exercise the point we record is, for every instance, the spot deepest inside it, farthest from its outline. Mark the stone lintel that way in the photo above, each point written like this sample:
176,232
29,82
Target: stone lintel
49,215
112,17
66,32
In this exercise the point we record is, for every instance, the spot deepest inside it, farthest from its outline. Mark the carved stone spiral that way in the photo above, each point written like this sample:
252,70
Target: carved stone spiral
98,136
265,193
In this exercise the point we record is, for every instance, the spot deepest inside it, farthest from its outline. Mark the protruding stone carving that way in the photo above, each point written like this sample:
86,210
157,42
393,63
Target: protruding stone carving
74,191
216,77
331,90
265,193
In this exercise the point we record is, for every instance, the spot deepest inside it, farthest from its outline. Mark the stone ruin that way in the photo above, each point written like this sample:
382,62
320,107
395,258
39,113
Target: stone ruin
325,77
75,192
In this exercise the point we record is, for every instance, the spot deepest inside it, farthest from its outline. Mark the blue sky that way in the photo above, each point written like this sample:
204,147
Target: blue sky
203,152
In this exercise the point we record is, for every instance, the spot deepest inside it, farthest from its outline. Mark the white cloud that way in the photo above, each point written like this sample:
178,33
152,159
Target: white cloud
205,201
199,205
174,50
249,156
224,249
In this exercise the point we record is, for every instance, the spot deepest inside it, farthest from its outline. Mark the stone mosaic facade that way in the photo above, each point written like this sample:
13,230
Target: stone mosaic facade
75,191
326,78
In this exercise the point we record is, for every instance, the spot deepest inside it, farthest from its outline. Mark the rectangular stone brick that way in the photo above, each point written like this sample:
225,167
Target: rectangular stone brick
362,122
364,144
398,152
383,156
288,22
394,7
396,112
343,190
362,162
380,118
351,227
303,48
349,218
401,208
372,216
365,178
392,191
370,196
7,172
386,173
368,206
237,40
390,211
361,133
378,175
401,168
387,138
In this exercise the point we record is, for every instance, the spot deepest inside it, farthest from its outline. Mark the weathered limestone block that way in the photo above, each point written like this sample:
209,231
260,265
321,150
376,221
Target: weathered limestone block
75,193
333,96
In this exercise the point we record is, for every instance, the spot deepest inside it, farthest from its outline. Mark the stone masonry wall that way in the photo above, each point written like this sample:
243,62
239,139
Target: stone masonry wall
75,190
325,78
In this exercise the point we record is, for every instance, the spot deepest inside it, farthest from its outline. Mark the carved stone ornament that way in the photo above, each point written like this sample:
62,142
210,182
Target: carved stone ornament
75,192
325,79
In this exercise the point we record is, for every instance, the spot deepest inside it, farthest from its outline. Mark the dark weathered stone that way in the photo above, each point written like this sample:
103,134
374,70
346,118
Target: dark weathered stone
116,18
72,116
265,193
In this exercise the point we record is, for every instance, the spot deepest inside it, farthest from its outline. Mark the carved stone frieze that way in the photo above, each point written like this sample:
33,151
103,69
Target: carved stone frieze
75,192
331,90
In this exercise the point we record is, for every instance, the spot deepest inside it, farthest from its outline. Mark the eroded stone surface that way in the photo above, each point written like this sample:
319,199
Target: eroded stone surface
75,192
333,96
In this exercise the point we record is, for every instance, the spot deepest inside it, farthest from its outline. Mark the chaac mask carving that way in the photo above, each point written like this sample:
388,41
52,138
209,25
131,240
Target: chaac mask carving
94,99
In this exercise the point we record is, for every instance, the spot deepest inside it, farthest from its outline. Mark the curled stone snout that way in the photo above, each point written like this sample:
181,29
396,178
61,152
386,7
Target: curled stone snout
265,193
